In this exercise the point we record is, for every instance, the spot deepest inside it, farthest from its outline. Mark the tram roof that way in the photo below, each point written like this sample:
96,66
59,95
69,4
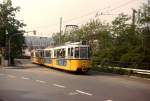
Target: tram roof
65,46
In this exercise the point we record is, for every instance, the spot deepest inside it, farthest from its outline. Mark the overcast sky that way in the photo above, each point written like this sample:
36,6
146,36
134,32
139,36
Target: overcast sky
44,15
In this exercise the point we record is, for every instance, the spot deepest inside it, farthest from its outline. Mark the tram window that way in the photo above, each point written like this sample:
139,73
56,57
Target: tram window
76,52
63,53
48,53
36,54
58,53
89,54
83,52
32,54
71,51
55,53
41,53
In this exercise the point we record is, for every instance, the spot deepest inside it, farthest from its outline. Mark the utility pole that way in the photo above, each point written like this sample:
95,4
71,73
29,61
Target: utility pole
133,19
60,30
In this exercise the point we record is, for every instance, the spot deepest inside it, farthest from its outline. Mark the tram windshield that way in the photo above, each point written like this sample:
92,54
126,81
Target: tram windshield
83,52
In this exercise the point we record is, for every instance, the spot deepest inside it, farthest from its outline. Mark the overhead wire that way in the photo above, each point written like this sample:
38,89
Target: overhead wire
96,11
78,17
86,14
122,5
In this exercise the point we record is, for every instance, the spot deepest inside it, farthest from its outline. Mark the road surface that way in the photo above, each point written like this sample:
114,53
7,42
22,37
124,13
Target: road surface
38,83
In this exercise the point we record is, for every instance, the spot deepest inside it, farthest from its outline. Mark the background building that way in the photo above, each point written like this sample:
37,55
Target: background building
35,42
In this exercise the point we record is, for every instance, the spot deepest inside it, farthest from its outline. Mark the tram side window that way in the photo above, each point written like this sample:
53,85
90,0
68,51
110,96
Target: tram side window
41,53
76,52
58,53
63,53
71,51
32,54
48,53
55,53
36,54
89,54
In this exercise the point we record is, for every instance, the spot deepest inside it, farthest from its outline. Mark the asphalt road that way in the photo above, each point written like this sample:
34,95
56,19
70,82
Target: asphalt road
37,83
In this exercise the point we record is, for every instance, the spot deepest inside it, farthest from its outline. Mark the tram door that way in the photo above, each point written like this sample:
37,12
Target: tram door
61,60
70,56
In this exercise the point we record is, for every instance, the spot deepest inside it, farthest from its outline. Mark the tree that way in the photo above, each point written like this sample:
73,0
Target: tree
56,37
9,24
144,24
144,30
123,36
123,40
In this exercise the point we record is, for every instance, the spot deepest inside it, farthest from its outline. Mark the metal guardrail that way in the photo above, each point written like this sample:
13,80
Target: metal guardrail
145,65
139,71
126,65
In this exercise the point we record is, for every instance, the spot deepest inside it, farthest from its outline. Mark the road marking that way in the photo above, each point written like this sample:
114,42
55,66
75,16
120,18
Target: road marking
25,78
134,77
139,78
40,81
61,86
146,78
79,91
11,76
73,93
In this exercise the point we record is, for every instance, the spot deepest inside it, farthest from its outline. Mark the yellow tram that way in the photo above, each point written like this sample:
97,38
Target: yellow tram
70,57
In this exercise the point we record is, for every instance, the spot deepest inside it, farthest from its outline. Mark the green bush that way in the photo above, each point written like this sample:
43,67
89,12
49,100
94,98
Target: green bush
113,70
